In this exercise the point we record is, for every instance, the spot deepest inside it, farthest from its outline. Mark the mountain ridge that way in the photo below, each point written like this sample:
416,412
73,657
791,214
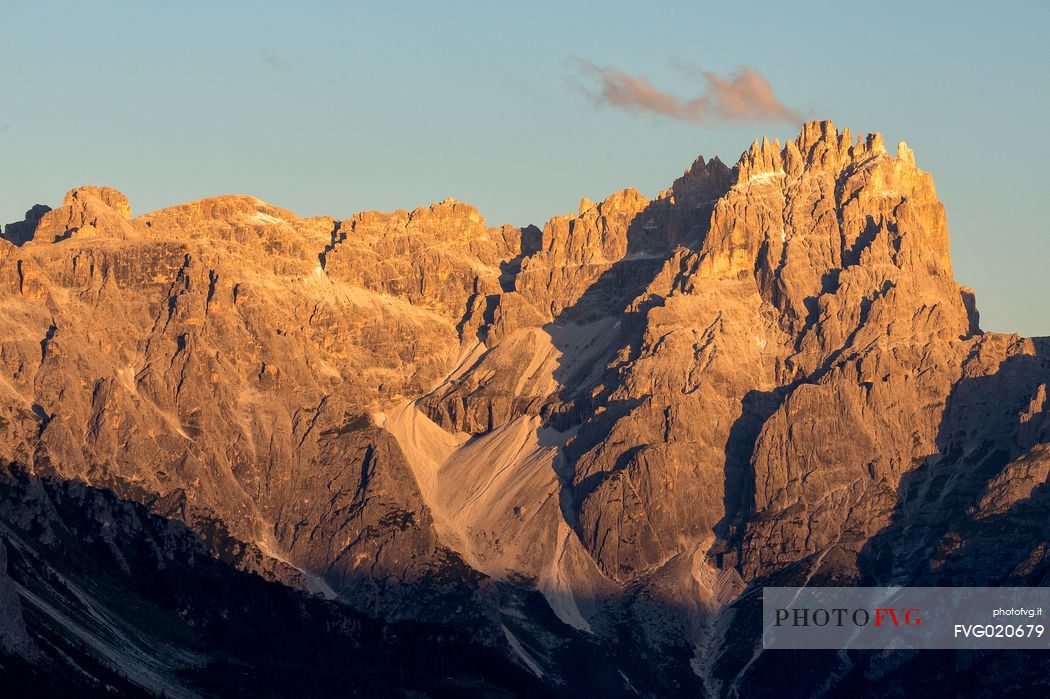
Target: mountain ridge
636,414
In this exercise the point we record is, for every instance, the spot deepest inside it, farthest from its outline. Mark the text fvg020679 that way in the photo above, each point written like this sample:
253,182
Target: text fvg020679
999,630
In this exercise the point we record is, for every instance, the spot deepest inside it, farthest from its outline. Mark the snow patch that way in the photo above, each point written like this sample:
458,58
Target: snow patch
761,178
260,217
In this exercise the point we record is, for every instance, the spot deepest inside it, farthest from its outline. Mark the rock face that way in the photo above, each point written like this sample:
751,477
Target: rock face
582,442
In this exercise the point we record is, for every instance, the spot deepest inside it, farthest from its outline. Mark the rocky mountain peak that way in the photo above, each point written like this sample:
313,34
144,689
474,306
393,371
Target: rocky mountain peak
227,207
86,197
449,209
225,217
819,145
905,154
702,184
21,232
805,218
626,201
86,212
763,159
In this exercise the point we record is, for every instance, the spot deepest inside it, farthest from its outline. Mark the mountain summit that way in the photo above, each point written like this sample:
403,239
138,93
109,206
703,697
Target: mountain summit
580,448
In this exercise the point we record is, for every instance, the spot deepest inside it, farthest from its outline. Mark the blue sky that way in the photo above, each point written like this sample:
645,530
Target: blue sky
330,108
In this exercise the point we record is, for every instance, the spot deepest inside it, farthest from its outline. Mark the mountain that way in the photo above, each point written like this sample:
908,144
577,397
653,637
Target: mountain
562,460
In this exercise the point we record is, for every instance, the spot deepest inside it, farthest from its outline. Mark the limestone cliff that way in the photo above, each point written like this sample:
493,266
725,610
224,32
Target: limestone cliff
598,435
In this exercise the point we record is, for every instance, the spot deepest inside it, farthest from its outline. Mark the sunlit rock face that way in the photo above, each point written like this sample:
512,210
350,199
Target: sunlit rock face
588,440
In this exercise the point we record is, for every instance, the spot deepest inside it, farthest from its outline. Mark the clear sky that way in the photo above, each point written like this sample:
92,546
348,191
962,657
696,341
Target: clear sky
334,107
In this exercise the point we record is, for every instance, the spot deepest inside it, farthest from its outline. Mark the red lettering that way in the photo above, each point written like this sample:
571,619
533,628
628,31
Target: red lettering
880,613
